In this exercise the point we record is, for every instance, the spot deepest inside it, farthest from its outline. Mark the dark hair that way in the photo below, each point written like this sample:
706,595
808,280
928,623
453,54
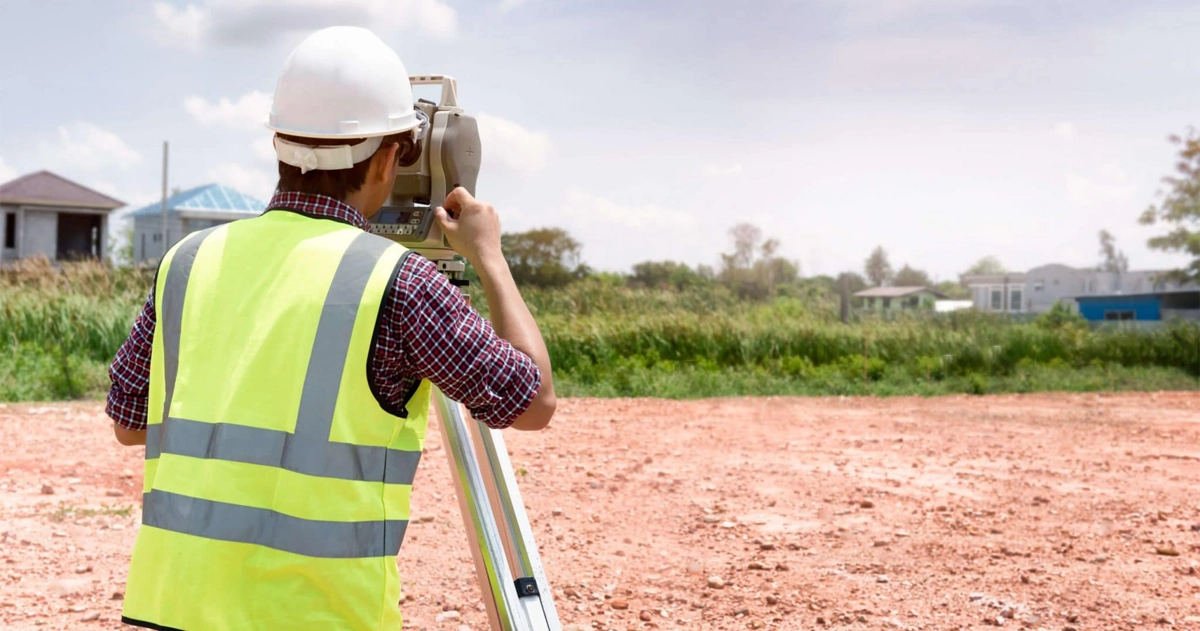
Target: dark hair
340,183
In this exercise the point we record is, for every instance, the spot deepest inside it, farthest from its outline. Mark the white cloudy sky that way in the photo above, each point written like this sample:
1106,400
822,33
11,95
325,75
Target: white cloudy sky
944,130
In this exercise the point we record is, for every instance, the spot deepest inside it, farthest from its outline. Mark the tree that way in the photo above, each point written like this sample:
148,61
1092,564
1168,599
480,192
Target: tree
985,265
953,290
909,277
853,280
1114,260
753,269
543,257
877,268
664,274
1180,208
120,251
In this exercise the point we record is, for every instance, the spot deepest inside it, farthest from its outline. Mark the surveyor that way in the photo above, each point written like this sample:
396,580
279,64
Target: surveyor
279,374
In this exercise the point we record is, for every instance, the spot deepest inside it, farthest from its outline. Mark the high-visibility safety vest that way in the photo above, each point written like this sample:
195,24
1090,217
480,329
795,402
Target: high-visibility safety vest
276,489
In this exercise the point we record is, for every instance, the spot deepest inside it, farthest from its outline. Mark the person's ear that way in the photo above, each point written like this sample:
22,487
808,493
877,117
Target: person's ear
383,165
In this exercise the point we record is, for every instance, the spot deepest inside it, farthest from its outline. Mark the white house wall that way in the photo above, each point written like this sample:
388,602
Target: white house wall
1014,301
145,229
1049,284
38,234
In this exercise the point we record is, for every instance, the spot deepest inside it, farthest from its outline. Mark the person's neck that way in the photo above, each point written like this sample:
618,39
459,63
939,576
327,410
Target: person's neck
358,200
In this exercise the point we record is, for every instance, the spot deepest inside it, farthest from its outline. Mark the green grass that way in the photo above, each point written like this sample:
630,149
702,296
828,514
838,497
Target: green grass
59,329
690,382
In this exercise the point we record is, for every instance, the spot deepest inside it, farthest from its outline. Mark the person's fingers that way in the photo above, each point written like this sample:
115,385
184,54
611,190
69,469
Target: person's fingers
447,223
459,199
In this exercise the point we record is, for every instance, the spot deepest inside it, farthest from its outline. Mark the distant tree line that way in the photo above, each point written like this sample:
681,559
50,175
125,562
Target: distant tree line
752,269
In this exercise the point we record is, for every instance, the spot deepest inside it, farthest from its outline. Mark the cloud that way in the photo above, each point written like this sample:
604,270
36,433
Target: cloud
249,112
265,148
588,208
873,13
723,170
87,147
184,27
1065,131
253,21
1111,185
512,147
253,182
508,5
6,172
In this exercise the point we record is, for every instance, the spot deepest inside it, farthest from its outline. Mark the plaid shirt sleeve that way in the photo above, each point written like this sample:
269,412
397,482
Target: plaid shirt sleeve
130,372
428,331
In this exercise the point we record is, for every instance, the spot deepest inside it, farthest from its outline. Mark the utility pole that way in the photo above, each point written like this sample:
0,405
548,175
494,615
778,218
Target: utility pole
845,302
164,201
1005,296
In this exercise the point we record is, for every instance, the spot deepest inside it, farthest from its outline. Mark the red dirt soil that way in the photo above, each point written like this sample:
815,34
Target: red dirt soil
1037,511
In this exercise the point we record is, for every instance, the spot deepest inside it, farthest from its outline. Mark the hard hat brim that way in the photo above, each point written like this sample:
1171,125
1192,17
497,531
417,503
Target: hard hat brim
410,122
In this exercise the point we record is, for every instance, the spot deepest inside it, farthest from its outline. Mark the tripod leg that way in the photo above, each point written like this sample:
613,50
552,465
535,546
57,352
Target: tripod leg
533,588
514,587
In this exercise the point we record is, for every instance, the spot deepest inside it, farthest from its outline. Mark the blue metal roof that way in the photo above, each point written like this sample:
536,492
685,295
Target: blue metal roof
207,197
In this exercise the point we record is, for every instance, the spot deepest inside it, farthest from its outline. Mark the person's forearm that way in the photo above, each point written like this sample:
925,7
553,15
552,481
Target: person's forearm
512,320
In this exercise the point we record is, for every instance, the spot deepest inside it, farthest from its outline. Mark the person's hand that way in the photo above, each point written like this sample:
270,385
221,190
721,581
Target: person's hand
471,227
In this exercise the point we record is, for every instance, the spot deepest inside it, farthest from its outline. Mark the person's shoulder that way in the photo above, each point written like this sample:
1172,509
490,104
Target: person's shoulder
417,271
420,279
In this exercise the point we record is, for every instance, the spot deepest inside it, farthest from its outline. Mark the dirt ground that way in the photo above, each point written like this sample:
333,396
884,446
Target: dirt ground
1040,512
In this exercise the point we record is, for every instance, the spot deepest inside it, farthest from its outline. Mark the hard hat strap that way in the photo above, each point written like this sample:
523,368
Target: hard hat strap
325,158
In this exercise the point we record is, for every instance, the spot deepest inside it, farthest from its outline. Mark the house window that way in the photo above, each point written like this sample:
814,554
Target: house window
1014,298
997,300
10,230
1039,286
1121,314
887,303
157,237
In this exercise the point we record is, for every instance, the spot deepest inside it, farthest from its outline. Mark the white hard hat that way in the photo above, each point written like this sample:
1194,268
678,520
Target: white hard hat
343,82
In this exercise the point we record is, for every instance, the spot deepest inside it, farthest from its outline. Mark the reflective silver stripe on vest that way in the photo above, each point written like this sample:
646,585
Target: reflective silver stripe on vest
170,313
245,524
307,450
332,342
274,448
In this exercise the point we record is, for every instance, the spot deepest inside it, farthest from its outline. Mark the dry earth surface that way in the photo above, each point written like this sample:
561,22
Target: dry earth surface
1039,512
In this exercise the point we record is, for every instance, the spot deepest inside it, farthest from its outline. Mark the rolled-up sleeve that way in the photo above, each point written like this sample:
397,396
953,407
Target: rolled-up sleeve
436,335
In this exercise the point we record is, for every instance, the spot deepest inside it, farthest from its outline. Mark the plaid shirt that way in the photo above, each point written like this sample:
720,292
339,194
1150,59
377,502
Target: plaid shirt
426,331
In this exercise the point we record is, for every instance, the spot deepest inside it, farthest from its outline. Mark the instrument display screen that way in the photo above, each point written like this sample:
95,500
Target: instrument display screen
404,223
410,216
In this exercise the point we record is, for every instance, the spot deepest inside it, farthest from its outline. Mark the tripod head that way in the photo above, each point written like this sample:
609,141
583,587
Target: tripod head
450,157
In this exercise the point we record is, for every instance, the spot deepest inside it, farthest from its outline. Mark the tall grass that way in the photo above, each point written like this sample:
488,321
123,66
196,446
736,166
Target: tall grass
60,326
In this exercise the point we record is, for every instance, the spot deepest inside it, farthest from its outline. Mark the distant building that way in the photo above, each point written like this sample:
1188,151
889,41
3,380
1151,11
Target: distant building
1038,289
44,214
887,299
997,293
1163,305
191,210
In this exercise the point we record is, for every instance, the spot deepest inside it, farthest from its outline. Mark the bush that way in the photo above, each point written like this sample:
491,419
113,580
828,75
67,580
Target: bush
1060,316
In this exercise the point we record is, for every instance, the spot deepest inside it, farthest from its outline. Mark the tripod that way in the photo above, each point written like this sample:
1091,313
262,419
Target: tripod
516,593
